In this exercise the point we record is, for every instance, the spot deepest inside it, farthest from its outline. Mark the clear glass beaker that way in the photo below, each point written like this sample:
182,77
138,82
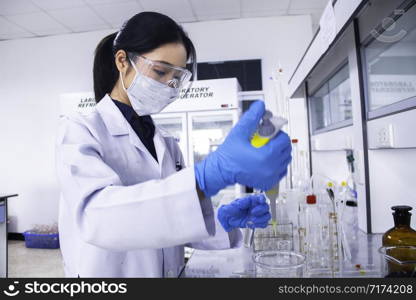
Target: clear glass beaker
398,261
279,264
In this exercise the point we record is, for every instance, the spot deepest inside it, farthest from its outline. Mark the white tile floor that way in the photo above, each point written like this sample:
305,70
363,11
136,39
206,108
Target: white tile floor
26,262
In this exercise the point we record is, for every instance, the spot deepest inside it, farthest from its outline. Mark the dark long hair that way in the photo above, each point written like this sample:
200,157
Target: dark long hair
142,33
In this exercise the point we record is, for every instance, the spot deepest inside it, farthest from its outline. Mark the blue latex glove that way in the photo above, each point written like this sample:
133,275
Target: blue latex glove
237,161
251,211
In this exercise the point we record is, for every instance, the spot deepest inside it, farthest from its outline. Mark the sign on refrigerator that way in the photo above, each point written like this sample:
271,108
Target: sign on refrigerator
82,102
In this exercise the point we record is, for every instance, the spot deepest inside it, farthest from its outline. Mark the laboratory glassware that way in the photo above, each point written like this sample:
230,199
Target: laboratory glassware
295,166
396,242
274,237
398,261
350,219
313,235
401,234
275,264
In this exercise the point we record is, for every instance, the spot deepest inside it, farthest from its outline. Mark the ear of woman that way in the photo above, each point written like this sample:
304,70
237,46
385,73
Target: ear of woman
121,61
124,69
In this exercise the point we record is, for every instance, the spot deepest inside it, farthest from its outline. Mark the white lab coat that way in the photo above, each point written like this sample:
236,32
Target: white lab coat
121,213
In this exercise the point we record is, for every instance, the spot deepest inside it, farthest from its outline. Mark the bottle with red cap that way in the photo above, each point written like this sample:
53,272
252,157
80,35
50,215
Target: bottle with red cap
313,235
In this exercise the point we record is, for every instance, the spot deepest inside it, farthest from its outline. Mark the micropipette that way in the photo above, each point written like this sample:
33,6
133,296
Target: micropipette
268,128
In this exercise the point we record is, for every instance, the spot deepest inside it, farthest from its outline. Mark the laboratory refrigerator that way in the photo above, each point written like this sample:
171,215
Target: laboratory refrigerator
197,133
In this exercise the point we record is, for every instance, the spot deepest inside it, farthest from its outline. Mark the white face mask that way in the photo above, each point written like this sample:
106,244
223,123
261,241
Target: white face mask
148,96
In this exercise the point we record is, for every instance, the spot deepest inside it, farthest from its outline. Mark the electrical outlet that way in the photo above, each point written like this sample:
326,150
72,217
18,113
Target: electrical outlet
315,144
385,137
348,142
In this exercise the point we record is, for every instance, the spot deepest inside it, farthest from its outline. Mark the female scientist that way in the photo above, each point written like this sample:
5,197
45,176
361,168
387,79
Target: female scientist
129,205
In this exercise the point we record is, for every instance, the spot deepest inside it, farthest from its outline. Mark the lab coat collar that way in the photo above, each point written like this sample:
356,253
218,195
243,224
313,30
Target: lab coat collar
118,125
112,117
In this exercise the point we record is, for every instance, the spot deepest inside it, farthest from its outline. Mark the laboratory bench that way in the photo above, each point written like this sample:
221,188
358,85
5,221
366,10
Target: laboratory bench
365,261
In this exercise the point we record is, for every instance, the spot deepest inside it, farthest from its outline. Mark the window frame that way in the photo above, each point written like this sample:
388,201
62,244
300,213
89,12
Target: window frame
393,108
325,81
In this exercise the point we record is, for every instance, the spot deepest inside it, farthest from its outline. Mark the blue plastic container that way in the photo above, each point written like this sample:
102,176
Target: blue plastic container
41,240
2,213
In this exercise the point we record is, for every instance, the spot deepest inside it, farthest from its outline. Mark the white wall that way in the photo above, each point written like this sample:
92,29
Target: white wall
34,72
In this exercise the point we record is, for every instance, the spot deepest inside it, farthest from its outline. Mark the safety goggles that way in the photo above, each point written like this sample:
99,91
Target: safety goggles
172,76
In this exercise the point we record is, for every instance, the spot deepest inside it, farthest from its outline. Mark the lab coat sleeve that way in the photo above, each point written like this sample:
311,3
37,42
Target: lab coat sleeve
221,239
153,214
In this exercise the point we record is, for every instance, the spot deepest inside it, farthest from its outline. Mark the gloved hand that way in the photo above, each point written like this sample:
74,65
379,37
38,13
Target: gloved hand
237,161
251,211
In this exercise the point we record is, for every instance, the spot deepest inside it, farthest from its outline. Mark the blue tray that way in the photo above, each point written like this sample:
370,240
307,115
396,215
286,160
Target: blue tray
41,240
